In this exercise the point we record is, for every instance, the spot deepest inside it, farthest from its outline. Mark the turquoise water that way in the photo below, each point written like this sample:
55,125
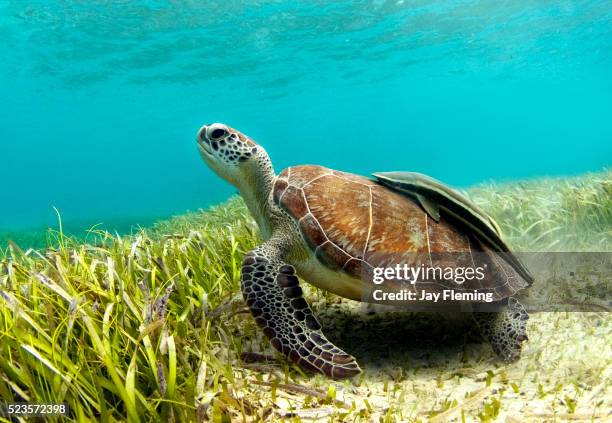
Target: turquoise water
101,100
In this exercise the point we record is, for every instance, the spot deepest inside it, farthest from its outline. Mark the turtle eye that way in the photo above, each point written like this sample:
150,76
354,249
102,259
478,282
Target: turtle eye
218,133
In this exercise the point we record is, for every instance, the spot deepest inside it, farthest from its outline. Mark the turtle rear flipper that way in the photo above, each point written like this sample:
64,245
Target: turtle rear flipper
271,290
505,330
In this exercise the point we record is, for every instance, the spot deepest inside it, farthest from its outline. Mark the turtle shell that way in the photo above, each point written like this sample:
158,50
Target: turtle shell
352,224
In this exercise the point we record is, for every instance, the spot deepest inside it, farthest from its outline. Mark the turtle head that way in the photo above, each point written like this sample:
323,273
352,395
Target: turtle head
241,162
229,153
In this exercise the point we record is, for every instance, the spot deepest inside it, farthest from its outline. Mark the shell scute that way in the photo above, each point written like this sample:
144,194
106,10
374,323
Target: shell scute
342,209
302,175
279,188
398,224
293,201
448,247
351,177
312,232
354,267
443,237
284,173
331,255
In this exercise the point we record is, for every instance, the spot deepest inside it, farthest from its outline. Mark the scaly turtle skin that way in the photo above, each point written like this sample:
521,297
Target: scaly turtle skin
331,228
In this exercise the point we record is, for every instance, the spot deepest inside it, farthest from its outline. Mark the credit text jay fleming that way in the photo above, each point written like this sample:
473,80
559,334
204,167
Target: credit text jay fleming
414,274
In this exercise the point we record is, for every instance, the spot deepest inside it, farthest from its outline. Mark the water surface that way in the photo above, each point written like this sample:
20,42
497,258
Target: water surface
101,100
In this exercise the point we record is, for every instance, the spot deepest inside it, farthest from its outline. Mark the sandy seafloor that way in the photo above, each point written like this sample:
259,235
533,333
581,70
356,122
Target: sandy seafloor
422,367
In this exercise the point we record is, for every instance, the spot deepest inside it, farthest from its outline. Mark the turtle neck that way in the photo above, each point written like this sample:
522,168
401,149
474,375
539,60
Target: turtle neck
255,188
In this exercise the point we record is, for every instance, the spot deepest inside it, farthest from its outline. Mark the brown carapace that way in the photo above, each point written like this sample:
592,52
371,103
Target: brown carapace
353,224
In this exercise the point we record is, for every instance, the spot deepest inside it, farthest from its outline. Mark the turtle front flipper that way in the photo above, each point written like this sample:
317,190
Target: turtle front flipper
271,290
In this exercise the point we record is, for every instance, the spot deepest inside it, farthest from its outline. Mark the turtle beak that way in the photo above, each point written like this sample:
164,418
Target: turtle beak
202,139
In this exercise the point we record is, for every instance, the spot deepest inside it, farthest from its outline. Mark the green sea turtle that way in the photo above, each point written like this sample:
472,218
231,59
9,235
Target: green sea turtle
330,228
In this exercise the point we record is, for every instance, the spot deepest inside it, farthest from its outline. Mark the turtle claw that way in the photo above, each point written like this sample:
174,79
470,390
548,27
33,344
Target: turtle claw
335,370
343,359
345,372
